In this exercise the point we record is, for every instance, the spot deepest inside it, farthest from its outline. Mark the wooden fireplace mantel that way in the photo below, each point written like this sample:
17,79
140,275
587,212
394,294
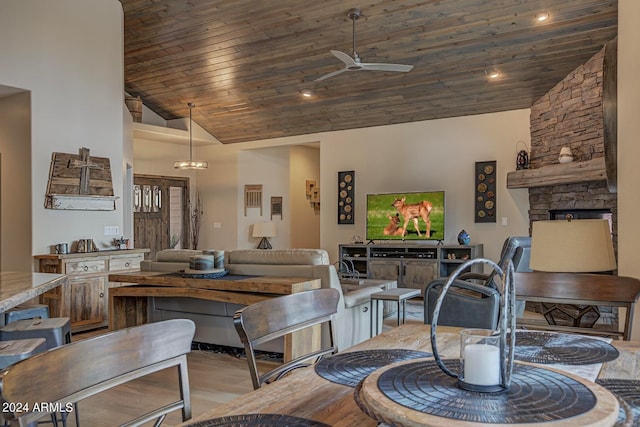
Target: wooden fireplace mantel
558,174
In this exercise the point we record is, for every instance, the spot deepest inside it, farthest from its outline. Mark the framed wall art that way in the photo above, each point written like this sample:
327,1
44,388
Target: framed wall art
276,206
485,194
346,191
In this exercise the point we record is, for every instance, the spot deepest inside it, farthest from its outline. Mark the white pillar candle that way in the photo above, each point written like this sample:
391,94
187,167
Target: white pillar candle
481,364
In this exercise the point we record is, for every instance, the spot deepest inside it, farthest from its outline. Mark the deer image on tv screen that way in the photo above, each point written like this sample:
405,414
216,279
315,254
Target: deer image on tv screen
406,216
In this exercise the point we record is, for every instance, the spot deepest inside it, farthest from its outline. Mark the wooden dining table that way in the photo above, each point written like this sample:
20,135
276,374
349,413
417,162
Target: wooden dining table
305,394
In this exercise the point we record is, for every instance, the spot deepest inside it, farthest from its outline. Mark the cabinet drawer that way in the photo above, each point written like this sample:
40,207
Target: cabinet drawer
86,266
126,262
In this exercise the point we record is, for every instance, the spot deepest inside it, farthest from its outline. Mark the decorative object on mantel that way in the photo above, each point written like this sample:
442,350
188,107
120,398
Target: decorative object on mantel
566,156
485,202
80,182
346,191
522,157
190,164
313,193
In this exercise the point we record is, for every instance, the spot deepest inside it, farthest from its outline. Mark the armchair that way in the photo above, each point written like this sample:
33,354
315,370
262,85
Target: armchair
476,305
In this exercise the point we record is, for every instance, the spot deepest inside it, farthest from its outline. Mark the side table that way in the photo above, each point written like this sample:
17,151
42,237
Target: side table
351,284
399,296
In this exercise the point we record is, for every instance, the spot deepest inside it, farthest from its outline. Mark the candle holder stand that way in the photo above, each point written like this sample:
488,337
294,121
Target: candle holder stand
486,356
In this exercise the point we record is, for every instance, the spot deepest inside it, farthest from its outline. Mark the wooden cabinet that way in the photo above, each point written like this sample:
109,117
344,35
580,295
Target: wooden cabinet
412,266
84,299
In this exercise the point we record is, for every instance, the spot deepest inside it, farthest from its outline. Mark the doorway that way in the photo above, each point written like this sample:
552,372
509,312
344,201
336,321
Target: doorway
160,213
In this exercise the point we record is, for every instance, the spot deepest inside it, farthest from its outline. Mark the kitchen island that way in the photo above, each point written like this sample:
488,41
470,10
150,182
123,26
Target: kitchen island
19,287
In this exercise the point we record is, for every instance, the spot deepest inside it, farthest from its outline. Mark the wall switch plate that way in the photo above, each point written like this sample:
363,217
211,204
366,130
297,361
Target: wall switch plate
217,225
111,230
504,221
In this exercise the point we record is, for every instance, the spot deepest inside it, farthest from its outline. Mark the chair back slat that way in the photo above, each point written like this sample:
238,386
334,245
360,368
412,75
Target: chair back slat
68,370
270,319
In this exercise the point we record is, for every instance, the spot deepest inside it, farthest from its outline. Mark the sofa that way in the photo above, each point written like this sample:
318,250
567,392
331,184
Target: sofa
214,320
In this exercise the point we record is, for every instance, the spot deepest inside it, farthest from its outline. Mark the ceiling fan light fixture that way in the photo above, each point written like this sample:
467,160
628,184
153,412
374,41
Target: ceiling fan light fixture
354,63
190,164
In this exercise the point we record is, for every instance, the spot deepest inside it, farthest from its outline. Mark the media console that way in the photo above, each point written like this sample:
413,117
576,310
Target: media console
411,265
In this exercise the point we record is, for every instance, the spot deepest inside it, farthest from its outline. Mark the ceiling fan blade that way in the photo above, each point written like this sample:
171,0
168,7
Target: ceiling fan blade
387,67
348,61
334,73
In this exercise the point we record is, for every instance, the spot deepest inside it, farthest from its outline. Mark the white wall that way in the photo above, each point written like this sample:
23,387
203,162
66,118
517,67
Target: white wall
69,55
629,143
270,168
430,155
15,182
304,164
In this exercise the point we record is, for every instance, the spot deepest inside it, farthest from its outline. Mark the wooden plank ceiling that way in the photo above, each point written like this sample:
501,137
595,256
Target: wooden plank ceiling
245,62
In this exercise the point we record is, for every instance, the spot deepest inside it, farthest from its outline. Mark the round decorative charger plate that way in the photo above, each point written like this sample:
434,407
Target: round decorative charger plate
417,393
259,420
350,368
629,392
549,347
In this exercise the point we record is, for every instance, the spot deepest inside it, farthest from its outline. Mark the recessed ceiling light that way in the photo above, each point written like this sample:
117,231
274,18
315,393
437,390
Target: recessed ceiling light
493,74
307,93
542,16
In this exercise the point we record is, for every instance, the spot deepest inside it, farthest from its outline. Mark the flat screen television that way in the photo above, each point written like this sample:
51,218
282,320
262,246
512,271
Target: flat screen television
387,214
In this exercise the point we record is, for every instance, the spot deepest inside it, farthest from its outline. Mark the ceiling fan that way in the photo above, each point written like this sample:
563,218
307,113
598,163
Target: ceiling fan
355,64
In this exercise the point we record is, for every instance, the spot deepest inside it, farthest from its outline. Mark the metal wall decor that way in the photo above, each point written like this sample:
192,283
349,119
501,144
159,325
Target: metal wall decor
313,193
346,191
276,206
252,197
485,198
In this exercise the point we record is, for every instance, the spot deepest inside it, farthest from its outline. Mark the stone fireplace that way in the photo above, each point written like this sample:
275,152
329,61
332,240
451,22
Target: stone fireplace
575,114
572,114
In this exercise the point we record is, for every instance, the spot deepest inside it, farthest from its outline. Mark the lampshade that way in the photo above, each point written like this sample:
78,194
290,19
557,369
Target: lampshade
190,164
264,229
572,246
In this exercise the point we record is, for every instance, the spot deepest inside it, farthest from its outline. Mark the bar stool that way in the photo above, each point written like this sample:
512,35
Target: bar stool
26,311
56,330
14,351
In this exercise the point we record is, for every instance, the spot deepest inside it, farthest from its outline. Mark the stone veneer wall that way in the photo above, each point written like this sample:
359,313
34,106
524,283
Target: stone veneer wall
571,115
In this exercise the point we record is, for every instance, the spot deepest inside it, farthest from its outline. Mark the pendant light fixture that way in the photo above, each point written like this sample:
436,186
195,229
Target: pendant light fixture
190,164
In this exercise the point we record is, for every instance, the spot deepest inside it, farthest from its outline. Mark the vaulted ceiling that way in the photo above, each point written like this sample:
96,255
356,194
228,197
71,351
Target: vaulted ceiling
244,63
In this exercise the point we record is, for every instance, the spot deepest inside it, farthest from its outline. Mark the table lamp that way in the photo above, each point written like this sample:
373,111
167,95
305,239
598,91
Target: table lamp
264,230
572,246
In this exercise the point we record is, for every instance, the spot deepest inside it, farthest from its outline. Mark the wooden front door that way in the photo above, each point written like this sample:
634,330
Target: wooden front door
161,213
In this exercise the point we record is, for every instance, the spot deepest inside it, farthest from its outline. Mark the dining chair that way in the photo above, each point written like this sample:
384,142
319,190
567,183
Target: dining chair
515,248
473,300
68,374
274,318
